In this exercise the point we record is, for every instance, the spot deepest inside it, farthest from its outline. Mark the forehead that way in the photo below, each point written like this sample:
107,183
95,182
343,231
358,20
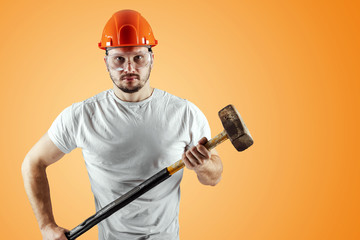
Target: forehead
127,49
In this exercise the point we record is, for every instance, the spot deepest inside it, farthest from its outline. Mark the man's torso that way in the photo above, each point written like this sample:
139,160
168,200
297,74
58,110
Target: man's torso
123,144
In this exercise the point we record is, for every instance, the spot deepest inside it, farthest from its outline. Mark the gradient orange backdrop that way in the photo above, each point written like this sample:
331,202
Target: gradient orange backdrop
290,67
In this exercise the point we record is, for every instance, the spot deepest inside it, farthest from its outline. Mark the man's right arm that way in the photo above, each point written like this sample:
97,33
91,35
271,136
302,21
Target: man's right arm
42,154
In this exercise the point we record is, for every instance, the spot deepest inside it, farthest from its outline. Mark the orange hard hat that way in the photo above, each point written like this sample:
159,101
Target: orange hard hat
127,28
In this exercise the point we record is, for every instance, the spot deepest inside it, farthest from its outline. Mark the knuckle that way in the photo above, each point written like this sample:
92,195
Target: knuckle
188,164
202,149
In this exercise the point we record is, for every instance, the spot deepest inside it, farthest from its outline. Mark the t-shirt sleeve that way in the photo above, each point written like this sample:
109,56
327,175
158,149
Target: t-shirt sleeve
62,131
198,125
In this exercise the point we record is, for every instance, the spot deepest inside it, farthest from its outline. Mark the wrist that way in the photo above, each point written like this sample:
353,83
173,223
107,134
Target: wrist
47,226
210,172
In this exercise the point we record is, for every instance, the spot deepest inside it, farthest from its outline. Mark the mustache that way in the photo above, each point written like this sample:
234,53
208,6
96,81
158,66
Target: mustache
130,75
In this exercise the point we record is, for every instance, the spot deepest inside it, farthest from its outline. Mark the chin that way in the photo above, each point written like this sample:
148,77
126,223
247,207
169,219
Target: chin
130,90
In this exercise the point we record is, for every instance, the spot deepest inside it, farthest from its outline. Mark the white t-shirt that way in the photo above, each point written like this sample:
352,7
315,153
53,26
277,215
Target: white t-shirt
123,144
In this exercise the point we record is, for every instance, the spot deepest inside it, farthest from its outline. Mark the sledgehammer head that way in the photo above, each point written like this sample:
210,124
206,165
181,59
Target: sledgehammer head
235,128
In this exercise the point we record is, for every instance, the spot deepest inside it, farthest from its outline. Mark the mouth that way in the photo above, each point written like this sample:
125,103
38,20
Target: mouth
129,78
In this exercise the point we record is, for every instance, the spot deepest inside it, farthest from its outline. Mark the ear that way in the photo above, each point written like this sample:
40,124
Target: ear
152,60
106,63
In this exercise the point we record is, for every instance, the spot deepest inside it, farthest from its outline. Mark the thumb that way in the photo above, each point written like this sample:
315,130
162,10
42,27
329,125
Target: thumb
203,140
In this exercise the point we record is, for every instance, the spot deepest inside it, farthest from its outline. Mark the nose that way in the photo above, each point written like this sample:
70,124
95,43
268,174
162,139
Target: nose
129,67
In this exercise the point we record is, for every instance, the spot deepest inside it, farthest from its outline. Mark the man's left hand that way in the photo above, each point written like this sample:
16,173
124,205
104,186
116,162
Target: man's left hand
197,156
207,164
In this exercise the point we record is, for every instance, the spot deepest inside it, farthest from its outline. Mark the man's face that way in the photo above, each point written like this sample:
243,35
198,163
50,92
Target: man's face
130,78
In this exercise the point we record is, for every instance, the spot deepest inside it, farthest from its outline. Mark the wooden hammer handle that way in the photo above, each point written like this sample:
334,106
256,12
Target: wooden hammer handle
212,143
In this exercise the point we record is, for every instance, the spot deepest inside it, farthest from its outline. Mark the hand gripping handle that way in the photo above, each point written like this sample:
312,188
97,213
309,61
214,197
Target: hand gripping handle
136,192
212,143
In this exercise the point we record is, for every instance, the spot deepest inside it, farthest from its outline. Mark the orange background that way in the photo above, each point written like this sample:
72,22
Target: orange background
290,67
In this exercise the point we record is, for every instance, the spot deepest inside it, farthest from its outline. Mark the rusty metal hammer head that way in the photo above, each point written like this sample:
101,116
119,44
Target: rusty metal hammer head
235,128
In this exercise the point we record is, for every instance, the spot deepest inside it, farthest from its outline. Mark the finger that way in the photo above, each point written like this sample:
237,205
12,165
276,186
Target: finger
203,150
203,140
186,161
199,157
192,158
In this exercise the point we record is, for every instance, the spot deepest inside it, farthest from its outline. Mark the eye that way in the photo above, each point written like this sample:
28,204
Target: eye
138,58
119,59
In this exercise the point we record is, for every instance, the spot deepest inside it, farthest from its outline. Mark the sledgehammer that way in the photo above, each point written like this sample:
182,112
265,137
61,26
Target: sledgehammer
234,129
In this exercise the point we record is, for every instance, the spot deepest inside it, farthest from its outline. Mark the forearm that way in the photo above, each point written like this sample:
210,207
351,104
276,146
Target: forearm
38,191
210,172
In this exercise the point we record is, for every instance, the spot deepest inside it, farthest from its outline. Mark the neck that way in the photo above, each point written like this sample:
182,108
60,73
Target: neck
138,96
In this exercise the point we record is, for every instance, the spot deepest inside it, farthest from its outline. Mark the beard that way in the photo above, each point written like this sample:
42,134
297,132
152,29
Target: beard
123,86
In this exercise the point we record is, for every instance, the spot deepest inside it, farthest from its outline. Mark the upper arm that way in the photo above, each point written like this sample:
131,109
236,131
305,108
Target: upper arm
44,152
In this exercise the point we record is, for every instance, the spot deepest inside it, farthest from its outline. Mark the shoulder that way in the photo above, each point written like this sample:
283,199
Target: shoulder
167,97
193,109
179,104
88,105
98,98
170,99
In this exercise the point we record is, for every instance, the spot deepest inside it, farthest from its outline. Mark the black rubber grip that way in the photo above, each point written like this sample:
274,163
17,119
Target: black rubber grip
118,204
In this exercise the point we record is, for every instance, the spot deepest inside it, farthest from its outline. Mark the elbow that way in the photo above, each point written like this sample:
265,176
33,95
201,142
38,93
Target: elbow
25,166
30,166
